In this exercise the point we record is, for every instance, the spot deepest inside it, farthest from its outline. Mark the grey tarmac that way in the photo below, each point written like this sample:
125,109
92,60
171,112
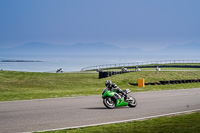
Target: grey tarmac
54,113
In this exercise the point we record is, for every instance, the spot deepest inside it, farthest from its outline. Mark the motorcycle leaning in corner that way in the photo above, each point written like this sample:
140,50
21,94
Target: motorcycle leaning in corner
112,99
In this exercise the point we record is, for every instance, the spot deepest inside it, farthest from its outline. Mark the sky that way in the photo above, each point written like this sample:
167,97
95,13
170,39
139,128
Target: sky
146,24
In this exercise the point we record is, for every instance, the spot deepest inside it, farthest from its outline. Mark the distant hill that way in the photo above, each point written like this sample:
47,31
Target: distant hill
99,49
79,48
186,49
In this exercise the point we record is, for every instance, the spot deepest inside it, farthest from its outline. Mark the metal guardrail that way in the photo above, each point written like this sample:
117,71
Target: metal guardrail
134,64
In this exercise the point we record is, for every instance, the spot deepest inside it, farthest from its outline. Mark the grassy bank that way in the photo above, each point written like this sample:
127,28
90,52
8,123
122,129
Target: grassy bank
27,85
187,123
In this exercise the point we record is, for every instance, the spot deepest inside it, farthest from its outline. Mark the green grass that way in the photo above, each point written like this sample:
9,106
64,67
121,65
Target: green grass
122,80
187,123
25,85
28,85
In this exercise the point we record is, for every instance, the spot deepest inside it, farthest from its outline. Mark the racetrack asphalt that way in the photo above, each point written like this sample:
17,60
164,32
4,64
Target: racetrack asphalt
53,113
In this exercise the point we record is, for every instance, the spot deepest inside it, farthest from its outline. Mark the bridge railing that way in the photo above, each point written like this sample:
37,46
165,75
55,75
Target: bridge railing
134,64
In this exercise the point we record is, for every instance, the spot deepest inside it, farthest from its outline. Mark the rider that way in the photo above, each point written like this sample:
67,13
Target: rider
113,87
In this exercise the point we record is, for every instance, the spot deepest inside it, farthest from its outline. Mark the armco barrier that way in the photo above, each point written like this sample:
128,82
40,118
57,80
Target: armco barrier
141,64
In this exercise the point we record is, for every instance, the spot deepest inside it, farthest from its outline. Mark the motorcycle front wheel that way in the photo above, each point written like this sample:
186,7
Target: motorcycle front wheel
132,103
109,103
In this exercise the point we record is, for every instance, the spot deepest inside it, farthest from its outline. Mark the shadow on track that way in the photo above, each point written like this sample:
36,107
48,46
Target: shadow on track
99,108
95,108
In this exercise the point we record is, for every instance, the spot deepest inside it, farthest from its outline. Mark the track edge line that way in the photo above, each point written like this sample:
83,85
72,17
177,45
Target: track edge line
129,120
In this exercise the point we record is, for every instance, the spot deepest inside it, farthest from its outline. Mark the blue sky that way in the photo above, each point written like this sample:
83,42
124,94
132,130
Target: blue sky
147,24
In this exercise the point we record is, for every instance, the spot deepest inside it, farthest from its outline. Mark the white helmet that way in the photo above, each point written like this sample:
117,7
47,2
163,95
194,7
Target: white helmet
108,83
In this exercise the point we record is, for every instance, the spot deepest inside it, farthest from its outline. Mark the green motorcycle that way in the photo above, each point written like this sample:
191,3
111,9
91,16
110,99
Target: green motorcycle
112,99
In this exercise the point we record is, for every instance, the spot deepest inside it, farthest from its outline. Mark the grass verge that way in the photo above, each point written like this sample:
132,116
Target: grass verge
185,123
28,85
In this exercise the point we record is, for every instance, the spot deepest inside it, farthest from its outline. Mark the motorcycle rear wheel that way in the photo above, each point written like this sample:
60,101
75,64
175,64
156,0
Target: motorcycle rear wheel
109,103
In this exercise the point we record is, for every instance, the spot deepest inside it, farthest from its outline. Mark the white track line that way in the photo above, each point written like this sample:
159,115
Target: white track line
136,119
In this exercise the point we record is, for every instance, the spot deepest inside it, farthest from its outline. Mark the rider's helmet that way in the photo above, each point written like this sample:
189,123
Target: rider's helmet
108,83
